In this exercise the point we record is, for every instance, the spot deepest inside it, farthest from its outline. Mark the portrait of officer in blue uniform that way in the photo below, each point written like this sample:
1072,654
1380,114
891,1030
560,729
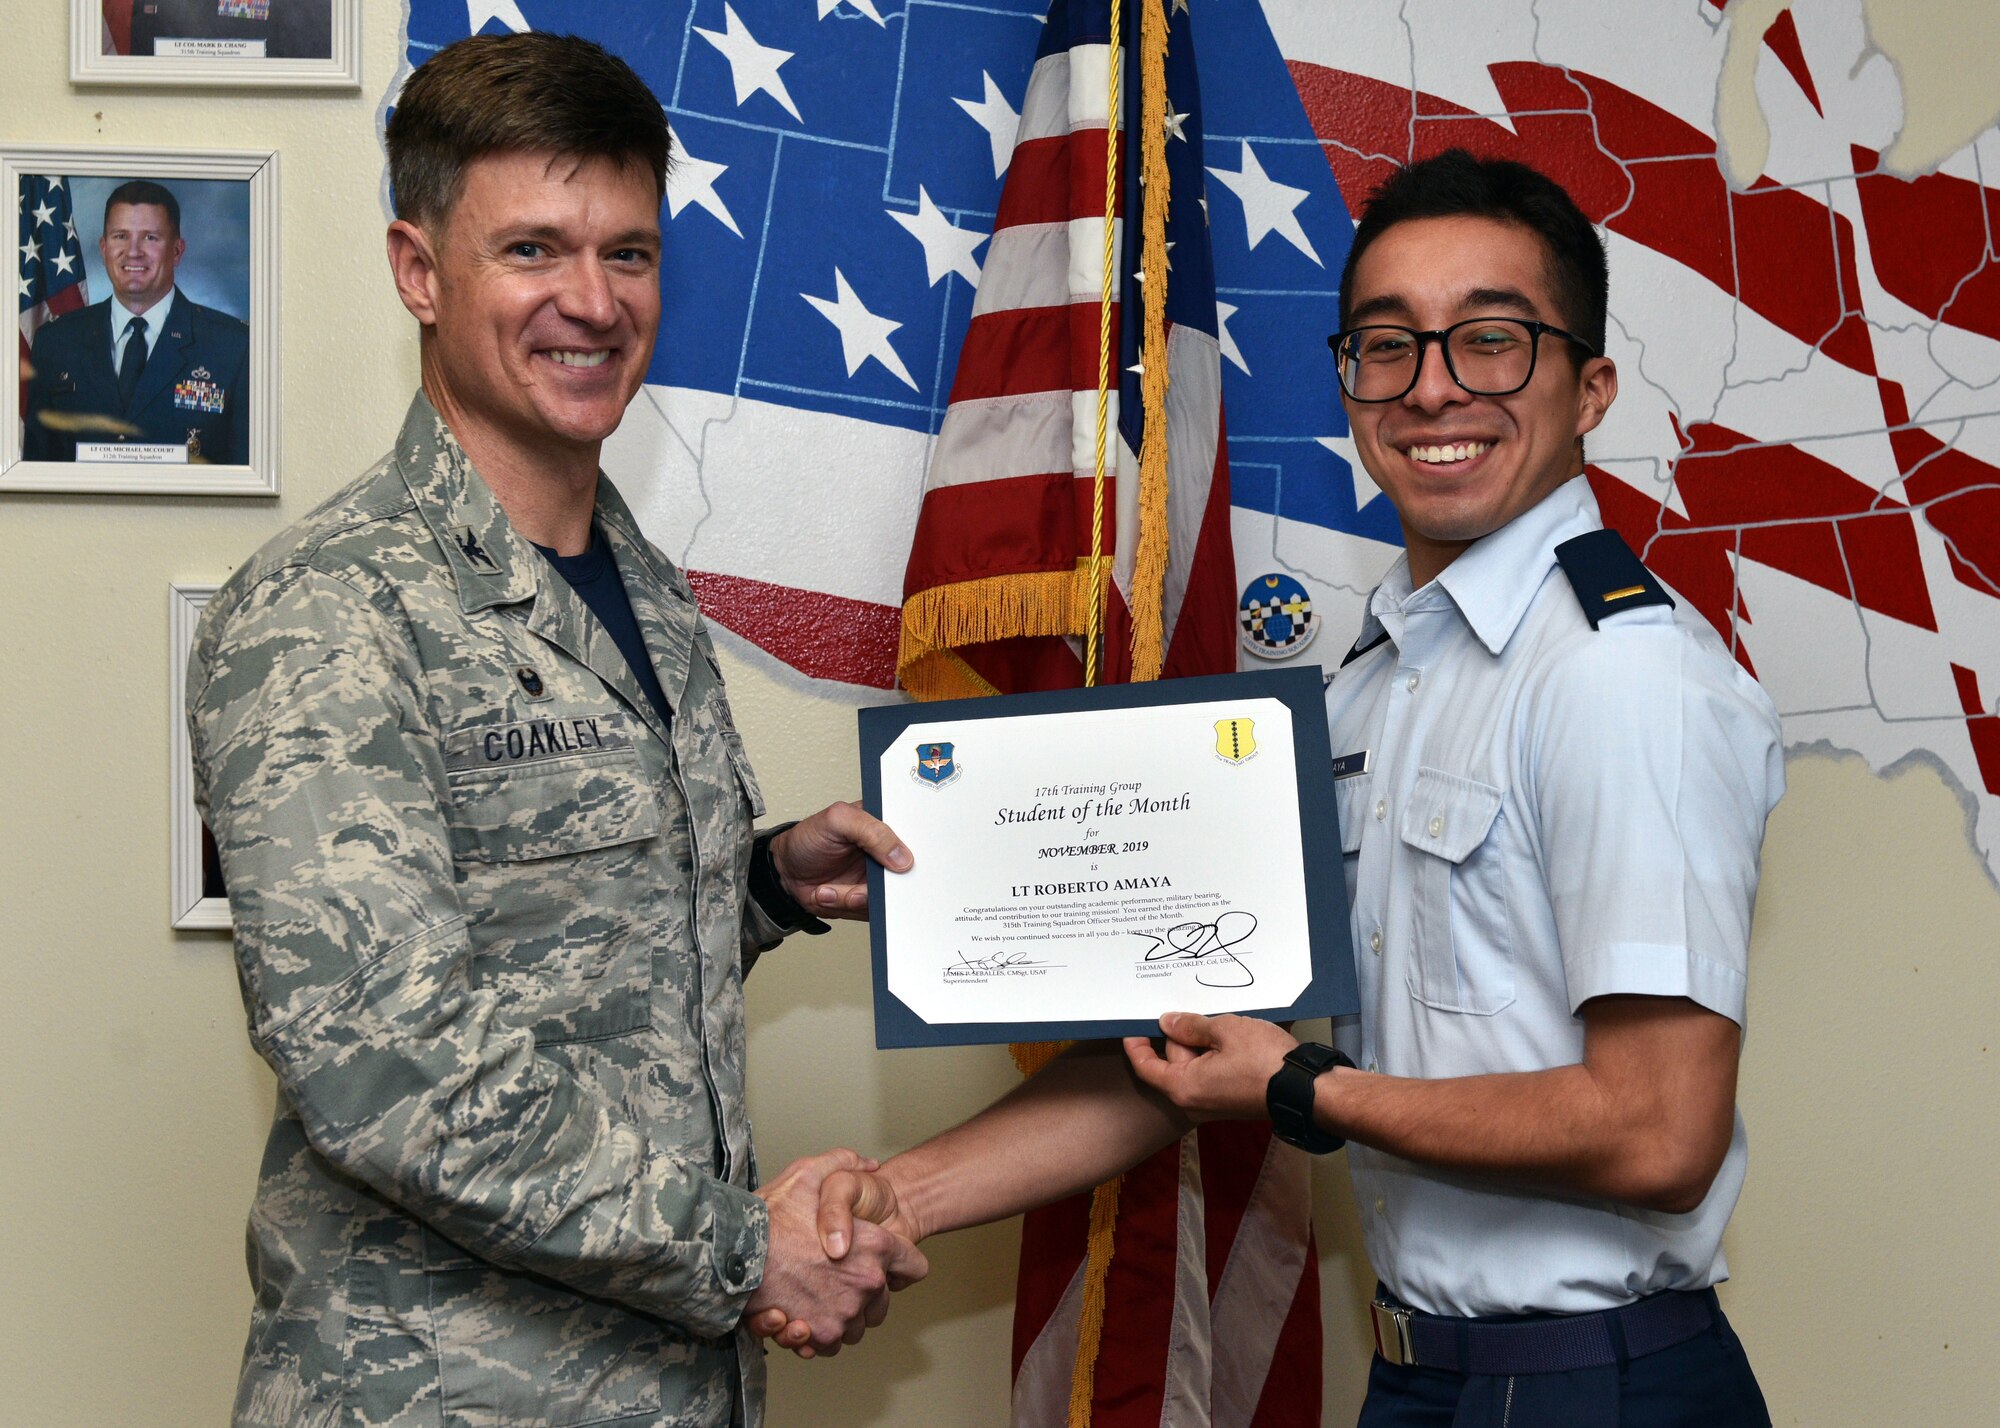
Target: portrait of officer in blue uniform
146,365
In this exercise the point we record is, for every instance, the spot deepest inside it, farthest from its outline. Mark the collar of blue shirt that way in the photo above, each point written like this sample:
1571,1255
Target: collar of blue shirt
1490,582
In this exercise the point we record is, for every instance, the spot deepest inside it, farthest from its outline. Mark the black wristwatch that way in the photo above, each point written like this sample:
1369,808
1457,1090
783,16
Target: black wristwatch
1289,1097
768,889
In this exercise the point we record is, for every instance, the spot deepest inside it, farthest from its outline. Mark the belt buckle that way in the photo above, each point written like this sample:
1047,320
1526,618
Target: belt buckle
1392,1333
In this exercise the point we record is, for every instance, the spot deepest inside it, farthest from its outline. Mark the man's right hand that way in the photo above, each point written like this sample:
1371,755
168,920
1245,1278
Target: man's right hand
814,1300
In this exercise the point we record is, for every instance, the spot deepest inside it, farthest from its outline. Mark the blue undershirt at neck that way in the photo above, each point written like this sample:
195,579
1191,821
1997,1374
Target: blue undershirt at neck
594,577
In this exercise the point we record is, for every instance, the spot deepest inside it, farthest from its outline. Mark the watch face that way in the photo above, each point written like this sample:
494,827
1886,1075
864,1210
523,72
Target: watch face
1313,1057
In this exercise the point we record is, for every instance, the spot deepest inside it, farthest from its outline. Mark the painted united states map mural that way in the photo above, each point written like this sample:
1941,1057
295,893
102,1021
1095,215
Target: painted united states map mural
1807,438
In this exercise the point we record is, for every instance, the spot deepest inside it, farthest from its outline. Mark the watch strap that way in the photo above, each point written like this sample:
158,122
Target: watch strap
1288,1096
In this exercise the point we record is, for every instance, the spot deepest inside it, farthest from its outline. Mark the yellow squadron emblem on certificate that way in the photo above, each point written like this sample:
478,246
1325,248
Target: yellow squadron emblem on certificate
1235,739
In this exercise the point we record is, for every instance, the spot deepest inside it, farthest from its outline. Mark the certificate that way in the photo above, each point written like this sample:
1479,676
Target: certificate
1088,859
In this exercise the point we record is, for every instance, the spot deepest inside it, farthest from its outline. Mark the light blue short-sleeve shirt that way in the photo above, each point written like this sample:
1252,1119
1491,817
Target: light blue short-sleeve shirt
1549,814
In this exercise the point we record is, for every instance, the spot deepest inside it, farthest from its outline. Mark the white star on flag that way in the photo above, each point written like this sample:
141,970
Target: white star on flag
1365,489
752,67
866,7
1223,312
69,229
507,12
947,249
998,118
44,215
862,333
64,261
692,180
29,255
27,288
1174,131
1268,206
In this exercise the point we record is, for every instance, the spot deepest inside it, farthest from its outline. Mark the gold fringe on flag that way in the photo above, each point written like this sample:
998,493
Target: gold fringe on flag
1149,570
1032,1056
972,612
1090,1316
1150,563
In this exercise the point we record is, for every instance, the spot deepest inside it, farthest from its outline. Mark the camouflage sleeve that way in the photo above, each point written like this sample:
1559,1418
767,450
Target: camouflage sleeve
321,775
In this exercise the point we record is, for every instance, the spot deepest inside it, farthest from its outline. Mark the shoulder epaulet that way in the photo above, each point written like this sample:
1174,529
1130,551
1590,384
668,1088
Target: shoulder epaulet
1607,577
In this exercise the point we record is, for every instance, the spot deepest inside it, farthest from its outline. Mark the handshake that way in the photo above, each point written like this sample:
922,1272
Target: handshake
840,1244
844,1230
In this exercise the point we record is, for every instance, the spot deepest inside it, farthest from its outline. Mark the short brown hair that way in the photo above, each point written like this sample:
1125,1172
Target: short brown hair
527,93
145,191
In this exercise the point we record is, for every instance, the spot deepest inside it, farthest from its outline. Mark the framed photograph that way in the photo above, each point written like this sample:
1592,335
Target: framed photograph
198,898
286,44
148,356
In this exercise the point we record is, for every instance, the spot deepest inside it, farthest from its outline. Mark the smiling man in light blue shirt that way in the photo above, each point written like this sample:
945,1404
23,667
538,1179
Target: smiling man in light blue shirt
1558,785
1553,785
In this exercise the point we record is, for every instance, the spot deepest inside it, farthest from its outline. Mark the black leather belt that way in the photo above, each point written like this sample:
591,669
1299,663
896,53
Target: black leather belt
1552,1343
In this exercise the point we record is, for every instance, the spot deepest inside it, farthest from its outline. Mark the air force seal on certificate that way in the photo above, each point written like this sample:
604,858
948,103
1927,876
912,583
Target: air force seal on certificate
935,765
1235,740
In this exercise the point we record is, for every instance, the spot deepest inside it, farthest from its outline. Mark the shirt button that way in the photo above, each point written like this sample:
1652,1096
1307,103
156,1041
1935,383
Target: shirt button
1412,682
1381,809
1375,940
1381,1205
1371,1067
1437,826
736,1268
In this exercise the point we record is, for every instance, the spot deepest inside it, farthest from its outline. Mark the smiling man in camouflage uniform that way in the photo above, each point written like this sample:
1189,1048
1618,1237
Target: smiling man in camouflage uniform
486,826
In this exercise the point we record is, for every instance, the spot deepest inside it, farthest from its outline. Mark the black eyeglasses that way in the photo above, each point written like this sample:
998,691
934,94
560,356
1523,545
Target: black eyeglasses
1488,356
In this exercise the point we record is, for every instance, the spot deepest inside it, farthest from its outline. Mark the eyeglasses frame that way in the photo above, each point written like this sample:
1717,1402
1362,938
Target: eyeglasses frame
1536,331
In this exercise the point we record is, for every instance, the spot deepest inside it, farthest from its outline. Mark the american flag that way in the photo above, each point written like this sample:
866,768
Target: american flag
51,277
1212,1277
1005,531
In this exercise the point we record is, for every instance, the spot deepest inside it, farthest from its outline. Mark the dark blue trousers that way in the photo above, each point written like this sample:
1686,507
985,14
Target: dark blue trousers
1704,1382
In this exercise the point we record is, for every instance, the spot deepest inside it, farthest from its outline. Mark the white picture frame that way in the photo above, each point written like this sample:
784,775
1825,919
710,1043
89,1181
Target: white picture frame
192,904
256,476
90,36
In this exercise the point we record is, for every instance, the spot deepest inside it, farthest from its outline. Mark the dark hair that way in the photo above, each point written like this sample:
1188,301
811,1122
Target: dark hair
145,191
1455,184
528,93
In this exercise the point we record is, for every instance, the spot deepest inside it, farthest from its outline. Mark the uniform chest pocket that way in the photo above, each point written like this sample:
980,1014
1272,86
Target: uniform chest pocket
1462,943
1350,807
554,865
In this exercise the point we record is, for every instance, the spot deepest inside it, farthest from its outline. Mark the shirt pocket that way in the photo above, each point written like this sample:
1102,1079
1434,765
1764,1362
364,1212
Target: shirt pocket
554,865
1350,807
1462,957
515,1349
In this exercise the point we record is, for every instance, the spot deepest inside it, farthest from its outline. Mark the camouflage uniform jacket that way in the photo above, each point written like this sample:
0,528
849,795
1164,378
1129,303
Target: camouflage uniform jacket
491,930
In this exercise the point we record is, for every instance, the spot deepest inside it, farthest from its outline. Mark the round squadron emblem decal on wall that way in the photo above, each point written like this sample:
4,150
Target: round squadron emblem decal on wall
1276,615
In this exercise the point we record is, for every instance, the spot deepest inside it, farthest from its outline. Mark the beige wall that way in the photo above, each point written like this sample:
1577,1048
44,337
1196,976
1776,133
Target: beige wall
1867,1248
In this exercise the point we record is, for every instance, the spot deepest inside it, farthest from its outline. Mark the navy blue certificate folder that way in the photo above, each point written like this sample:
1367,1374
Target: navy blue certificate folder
1331,990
